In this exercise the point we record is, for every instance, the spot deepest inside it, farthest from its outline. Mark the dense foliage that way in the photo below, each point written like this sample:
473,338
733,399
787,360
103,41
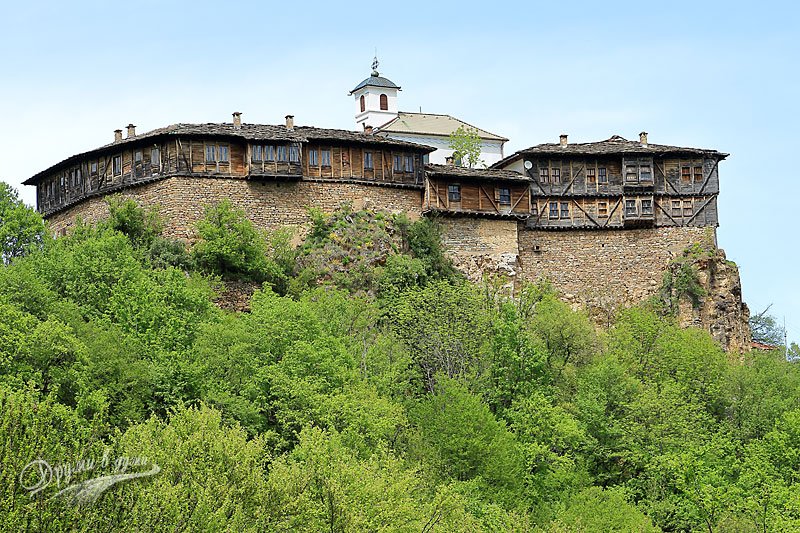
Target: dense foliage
389,396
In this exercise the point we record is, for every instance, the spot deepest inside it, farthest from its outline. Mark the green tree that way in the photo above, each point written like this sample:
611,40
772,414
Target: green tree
22,229
466,146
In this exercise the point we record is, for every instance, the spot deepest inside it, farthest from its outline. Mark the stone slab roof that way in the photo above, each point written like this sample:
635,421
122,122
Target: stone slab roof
250,132
432,124
376,81
452,171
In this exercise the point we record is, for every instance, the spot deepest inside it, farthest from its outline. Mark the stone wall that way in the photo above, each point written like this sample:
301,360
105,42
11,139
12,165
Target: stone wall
269,205
604,270
481,246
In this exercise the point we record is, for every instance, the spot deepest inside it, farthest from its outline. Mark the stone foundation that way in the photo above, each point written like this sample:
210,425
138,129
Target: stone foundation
481,246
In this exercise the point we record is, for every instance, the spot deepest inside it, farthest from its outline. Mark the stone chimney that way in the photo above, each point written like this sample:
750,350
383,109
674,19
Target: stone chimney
117,136
237,120
643,138
562,140
131,131
367,130
289,122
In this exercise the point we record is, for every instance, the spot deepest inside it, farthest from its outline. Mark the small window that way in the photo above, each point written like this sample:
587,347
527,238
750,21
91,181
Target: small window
591,176
363,103
602,175
645,173
630,207
564,209
686,174
454,193
505,196
282,154
398,161
553,209
211,153
602,209
256,154
137,156
294,154
116,166
93,167
224,154
544,175
325,158
647,207
409,163
313,157
555,174
535,209
687,208
630,174
368,161
269,153
698,174
155,157
384,103
676,208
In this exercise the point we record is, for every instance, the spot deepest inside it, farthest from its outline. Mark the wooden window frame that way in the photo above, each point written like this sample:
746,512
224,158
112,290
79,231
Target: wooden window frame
313,157
591,176
93,167
649,178
281,154
602,176
631,174
116,165
269,153
397,163
697,174
138,156
155,161
552,210
504,196
211,153
688,209
368,163
686,174
631,208
647,211
677,209
454,192
555,176
294,153
563,212
224,154
325,158
408,164
256,154
544,175
383,102
602,209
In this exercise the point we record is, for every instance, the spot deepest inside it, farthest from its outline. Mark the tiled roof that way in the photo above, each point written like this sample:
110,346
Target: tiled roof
376,81
252,132
432,124
474,173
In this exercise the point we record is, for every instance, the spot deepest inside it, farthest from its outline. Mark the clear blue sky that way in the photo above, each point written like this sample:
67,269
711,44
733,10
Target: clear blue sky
705,74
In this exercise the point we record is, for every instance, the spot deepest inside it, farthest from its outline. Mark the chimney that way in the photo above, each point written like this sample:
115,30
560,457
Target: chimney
237,120
643,138
367,130
117,136
131,131
289,122
562,139
449,160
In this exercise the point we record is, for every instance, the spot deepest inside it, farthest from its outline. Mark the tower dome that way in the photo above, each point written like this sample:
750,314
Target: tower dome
376,99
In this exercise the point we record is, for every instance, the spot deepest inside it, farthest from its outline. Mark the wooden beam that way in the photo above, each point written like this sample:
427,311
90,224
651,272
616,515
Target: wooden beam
699,210
708,178
574,176
585,213
611,213
481,189
665,212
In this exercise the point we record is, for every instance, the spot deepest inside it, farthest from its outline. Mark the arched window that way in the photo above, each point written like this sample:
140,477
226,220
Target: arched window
384,103
363,105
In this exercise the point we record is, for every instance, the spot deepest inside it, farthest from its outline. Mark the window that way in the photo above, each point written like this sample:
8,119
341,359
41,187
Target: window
256,154
630,173
116,165
553,209
591,177
93,167
294,154
384,103
556,175
676,208
647,207
687,208
535,209
363,103
564,209
281,154
645,173
454,193
630,207
698,174
544,175
155,157
409,163
368,160
397,164
602,175
269,153
602,209
313,157
505,196
686,174
137,156
211,153
224,154
325,158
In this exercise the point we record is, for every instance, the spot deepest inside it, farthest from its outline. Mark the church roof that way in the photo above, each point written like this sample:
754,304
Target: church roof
376,81
432,124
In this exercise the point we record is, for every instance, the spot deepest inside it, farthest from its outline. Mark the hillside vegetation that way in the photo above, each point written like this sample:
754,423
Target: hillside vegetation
369,388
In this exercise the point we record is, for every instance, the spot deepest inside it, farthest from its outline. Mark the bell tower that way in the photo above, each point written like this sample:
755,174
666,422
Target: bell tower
375,99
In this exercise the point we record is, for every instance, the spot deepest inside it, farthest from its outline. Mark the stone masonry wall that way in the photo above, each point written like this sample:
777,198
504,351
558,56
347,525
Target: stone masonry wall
481,246
269,205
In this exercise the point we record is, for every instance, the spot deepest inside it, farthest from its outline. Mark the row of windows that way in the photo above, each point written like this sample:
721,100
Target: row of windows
217,153
384,103
631,208
687,173
454,194
280,153
633,174
553,175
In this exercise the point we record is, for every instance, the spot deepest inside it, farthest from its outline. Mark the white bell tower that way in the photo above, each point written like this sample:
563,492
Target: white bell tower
376,100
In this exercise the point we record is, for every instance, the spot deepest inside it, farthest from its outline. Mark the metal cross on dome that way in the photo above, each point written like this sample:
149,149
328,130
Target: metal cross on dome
375,66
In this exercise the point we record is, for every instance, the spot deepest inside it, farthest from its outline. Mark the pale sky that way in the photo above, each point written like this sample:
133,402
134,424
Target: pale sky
702,74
